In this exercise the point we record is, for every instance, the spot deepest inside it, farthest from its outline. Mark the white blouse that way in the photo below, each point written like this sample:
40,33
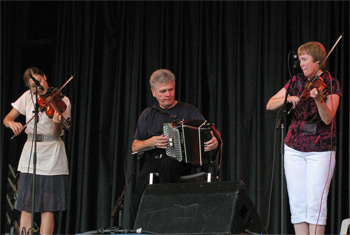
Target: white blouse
51,153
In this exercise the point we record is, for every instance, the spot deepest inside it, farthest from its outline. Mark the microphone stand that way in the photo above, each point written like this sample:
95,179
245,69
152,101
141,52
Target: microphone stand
280,124
36,111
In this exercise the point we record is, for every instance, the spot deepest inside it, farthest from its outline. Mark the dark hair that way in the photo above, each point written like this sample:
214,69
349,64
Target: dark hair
31,71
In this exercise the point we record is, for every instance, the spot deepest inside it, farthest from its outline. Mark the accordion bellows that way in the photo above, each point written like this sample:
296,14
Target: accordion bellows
186,141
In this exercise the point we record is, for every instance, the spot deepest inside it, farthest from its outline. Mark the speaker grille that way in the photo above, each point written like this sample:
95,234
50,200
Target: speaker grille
196,208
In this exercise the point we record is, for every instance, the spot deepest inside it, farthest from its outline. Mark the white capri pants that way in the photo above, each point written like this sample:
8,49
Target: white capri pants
308,174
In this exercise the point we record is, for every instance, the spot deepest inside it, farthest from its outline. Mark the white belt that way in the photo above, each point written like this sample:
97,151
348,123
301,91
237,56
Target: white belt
42,138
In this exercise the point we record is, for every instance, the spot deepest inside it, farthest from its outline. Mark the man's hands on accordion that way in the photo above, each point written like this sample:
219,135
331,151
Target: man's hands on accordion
161,142
211,144
155,141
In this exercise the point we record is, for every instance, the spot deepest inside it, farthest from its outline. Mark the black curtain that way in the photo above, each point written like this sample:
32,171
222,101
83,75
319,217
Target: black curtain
228,57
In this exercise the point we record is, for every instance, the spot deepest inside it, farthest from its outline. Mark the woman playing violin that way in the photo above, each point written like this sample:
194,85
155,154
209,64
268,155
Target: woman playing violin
52,164
310,144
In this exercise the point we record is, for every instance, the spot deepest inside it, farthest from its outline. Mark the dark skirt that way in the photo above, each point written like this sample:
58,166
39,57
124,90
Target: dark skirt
51,193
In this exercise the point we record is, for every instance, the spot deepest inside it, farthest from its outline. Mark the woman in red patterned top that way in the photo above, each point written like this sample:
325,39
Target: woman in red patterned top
310,144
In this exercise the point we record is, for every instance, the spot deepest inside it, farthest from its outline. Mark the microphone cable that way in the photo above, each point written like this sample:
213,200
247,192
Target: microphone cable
127,180
331,155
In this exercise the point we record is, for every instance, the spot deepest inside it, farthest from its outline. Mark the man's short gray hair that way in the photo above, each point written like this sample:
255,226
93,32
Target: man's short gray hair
161,76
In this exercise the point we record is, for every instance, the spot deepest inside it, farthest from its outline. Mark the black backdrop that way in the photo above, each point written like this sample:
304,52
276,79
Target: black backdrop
229,58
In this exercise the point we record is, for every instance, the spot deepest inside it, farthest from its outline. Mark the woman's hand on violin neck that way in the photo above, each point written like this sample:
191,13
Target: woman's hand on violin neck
57,118
293,100
57,126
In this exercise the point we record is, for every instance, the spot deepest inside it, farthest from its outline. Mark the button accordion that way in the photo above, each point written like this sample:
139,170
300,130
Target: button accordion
186,141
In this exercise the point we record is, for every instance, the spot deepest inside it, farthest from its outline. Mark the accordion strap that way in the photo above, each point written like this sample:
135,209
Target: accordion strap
173,116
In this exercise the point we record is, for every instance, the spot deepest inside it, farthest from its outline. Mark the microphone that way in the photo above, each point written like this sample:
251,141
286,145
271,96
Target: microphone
37,83
295,59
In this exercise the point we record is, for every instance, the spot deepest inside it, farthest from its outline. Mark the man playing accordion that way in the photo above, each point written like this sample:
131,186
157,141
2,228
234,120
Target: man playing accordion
149,133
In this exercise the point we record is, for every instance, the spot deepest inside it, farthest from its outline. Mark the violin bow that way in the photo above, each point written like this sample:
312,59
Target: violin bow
324,60
25,125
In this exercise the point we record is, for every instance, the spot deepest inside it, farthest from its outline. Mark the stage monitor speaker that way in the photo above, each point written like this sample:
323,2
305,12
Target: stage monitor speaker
198,208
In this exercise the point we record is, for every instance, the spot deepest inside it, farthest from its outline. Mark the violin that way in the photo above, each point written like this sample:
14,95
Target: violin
51,102
317,83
